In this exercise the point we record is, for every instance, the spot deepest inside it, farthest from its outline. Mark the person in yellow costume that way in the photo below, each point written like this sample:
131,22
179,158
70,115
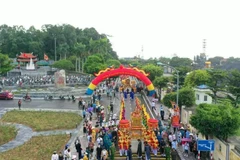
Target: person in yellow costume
85,156
120,145
93,135
125,145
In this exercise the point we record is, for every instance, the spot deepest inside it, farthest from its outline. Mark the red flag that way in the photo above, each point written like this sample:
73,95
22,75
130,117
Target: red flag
46,57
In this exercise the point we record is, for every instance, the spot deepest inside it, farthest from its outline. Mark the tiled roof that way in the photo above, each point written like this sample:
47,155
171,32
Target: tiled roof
26,60
26,55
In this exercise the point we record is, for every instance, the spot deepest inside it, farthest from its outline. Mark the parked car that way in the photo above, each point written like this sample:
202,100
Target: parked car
6,95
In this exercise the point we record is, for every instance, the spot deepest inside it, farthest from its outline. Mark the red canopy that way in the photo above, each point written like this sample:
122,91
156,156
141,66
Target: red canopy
124,123
152,122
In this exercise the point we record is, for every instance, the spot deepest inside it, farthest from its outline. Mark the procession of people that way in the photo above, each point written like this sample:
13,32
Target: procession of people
102,134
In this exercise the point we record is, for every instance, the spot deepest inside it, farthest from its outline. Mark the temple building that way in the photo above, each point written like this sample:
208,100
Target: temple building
26,58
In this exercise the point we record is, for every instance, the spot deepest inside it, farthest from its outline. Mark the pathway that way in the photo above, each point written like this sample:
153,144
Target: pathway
166,110
83,139
25,133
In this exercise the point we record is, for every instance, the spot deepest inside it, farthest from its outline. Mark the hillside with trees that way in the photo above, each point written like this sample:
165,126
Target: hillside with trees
72,44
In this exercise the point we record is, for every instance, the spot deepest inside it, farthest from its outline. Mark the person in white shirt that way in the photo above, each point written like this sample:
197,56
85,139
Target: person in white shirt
173,136
179,137
69,154
65,153
170,138
99,140
174,144
111,123
186,147
114,117
89,137
153,104
54,156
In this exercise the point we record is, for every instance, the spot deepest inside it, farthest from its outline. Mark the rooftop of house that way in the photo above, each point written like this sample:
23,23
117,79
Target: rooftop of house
203,86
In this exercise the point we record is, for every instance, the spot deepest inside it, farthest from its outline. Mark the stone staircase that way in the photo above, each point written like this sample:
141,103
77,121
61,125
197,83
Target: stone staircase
135,157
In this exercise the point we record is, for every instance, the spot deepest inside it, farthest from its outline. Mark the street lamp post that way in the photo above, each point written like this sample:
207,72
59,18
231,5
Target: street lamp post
55,52
161,64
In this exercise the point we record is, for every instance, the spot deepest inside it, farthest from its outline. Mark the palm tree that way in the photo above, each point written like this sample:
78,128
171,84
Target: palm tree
79,50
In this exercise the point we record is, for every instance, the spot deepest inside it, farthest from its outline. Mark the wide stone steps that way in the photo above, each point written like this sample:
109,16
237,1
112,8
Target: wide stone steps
135,157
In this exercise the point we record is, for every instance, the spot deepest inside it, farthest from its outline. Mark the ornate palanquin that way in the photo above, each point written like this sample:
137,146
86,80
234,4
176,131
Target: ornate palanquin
127,83
140,127
136,124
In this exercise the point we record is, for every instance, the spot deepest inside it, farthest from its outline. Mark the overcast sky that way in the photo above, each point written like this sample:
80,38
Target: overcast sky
162,27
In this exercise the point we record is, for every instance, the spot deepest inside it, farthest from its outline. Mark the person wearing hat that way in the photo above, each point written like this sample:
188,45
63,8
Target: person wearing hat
85,156
182,130
74,157
78,148
60,156
54,156
104,154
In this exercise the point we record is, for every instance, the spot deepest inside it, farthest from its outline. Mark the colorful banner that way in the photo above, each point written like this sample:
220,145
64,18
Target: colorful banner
110,72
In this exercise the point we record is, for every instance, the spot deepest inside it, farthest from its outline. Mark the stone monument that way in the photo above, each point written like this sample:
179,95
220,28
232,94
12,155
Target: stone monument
60,79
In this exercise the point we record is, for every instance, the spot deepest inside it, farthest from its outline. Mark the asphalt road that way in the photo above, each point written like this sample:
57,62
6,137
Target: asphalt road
40,103
50,104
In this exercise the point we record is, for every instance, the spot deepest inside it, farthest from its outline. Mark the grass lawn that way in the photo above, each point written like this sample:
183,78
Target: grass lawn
43,120
40,147
7,133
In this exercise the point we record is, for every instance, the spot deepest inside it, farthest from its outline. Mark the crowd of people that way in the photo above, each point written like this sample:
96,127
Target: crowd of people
99,130
42,80
103,134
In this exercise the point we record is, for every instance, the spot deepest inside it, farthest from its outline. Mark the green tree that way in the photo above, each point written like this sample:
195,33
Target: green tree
113,62
215,61
72,59
196,78
153,70
160,82
81,53
98,46
186,98
63,64
164,60
182,71
16,39
234,86
199,61
230,64
178,62
220,120
216,82
94,64
5,64
168,98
